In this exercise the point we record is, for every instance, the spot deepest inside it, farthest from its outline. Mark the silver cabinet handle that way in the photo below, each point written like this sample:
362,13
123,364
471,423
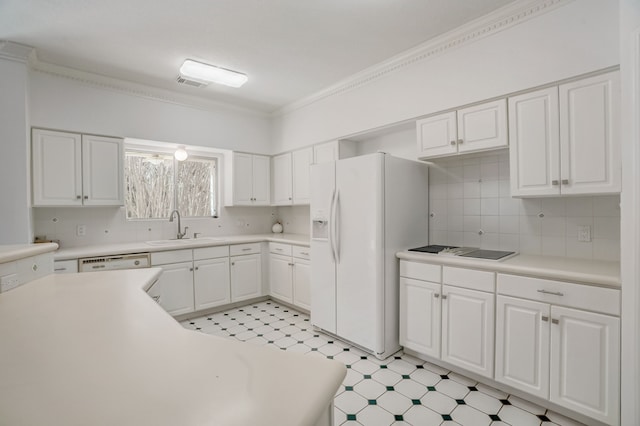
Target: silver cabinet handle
555,293
278,249
191,269
555,182
197,268
460,141
555,321
565,181
233,263
436,295
290,264
246,249
60,269
444,297
86,197
453,142
78,197
304,253
289,198
544,318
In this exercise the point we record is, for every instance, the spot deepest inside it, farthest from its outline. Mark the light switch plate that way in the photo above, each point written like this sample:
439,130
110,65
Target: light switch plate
81,230
584,233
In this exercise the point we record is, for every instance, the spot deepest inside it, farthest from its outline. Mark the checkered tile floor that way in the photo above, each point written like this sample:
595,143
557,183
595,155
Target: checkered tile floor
401,390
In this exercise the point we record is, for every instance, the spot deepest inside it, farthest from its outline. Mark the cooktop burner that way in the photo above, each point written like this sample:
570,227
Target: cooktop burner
432,248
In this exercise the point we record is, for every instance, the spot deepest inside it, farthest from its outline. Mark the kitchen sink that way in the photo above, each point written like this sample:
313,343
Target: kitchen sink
184,241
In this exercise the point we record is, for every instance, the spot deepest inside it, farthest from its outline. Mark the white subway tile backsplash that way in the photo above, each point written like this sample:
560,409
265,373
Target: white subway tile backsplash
478,196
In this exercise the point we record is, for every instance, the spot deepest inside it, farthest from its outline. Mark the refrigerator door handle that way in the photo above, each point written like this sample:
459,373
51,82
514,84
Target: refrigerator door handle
336,227
332,226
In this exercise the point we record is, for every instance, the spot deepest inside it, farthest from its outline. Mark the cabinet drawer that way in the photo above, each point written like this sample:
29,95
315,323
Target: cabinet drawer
469,278
301,252
210,252
421,271
239,249
171,256
279,248
581,296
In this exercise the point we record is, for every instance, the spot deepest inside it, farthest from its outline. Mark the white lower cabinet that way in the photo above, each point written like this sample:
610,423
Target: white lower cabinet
211,283
176,288
246,277
289,274
467,329
420,309
281,277
557,341
566,355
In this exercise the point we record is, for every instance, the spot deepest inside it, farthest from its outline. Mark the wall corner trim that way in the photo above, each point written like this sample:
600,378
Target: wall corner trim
16,51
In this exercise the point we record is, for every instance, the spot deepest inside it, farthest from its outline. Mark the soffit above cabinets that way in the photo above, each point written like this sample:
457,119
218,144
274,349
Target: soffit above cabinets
289,49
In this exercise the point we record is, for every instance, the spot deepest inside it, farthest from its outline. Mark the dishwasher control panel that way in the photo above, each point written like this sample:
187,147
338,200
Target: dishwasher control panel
114,262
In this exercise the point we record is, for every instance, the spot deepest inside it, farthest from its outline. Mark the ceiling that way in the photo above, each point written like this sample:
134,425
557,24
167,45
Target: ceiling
290,49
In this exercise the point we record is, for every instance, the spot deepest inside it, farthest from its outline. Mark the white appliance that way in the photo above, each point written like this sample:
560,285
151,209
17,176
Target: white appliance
364,210
111,263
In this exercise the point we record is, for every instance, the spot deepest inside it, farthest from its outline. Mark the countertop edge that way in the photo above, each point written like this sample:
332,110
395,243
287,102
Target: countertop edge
20,251
547,267
142,247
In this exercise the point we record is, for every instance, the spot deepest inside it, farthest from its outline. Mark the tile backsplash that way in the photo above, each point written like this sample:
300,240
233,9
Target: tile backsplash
470,205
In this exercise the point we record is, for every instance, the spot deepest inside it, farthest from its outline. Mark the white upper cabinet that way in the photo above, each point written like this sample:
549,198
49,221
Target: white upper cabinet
282,180
70,169
301,165
326,152
564,140
589,135
477,128
248,178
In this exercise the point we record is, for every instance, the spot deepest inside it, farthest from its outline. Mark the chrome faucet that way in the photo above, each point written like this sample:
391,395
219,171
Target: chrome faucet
180,235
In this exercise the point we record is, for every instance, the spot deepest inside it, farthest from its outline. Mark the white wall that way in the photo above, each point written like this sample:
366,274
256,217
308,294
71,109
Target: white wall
577,38
15,217
66,104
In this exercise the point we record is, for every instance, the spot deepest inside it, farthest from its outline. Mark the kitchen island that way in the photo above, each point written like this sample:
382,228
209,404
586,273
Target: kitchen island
79,349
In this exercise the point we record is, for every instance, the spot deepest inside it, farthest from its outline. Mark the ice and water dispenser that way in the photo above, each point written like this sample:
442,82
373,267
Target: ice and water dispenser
319,226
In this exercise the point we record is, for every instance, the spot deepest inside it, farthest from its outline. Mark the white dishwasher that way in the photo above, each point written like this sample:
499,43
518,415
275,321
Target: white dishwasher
113,262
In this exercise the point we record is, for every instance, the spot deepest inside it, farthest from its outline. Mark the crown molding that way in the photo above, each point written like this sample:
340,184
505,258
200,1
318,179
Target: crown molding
137,89
16,51
501,19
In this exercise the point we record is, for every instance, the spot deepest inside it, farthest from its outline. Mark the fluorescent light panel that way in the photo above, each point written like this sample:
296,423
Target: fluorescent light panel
209,73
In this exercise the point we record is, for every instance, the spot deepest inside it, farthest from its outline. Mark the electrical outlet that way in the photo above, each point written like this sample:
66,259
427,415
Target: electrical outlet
584,233
8,282
81,230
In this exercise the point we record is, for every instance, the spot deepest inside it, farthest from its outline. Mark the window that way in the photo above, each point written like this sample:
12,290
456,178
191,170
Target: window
156,184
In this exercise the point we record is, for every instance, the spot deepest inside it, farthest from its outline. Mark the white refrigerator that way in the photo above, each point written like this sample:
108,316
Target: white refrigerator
363,210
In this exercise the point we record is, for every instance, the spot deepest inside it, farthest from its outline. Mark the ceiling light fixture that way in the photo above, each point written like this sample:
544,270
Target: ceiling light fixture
181,154
212,74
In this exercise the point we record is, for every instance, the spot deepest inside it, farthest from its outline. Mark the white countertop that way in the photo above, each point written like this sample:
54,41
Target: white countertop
94,349
142,247
9,253
586,271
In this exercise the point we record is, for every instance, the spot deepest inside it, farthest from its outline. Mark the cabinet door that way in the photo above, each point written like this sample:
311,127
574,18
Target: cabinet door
242,178
211,283
589,135
57,168
534,143
280,277
301,164
302,283
468,329
261,180
585,363
282,184
483,127
326,152
102,171
176,288
246,277
420,314
522,344
437,135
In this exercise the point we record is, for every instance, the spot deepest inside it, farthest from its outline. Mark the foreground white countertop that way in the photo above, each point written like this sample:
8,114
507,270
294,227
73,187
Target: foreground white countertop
94,349
142,247
586,271
9,253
